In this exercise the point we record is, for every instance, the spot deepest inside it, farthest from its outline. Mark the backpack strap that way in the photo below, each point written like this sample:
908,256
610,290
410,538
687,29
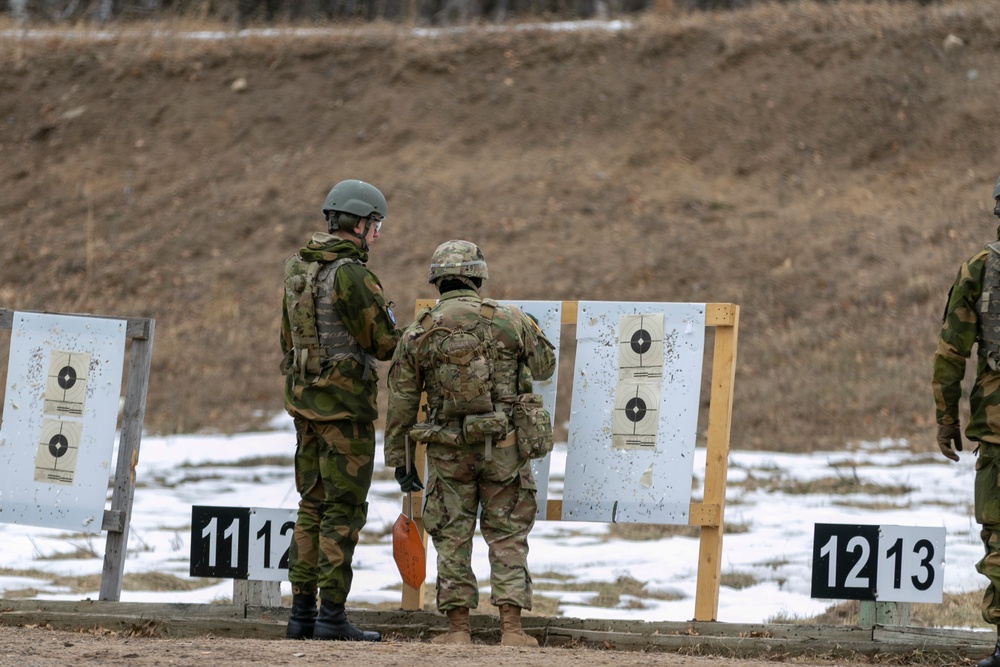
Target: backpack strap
487,309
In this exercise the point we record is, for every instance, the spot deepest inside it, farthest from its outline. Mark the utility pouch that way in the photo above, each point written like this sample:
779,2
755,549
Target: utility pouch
532,426
436,433
475,428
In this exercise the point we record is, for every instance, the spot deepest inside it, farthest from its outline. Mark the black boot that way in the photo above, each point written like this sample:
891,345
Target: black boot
303,617
333,624
993,660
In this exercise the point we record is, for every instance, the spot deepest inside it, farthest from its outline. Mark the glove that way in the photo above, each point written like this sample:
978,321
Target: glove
408,481
949,439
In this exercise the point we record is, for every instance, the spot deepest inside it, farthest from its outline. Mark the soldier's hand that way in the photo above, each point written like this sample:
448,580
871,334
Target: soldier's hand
949,439
408,480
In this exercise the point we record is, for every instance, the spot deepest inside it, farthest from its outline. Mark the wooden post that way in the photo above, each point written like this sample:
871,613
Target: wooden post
133,412
873,613
257,593
725,318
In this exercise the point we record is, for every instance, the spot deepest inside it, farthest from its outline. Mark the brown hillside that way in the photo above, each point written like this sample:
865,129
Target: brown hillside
826,167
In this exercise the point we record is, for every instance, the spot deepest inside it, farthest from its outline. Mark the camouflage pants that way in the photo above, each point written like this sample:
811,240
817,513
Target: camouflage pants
333,472
987,496
460,482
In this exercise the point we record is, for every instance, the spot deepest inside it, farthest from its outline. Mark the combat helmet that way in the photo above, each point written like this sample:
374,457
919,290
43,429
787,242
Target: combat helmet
360,201
462,260
355,197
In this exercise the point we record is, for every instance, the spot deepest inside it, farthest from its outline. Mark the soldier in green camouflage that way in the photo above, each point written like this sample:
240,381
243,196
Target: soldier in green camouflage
335,324
475,359
972,317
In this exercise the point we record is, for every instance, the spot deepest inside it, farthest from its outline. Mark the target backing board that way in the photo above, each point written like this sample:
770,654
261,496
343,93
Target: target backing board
60,415
632,425
549,316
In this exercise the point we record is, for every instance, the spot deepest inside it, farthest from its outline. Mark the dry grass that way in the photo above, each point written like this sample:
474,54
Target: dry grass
957,610
792,196
83,584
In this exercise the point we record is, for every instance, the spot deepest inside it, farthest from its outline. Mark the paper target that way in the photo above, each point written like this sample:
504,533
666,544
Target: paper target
632,434
66,388
55,461
636,416
60,412
640,347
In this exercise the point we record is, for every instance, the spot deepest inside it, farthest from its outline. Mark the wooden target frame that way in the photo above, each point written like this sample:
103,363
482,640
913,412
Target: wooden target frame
139,331
709,514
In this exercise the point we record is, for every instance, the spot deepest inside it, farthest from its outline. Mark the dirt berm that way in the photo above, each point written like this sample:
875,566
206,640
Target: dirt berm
826,167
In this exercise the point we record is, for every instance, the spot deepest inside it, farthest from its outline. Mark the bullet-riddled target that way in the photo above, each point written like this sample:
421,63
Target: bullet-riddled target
55,461
66,388
635,417
640,347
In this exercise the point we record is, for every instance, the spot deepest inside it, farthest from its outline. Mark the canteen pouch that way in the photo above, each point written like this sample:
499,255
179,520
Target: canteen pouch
532,426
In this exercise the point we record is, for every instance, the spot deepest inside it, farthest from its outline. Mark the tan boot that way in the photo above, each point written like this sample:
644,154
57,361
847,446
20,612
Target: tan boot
458,628
511,633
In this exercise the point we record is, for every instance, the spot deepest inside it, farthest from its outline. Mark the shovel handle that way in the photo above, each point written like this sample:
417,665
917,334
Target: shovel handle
409,494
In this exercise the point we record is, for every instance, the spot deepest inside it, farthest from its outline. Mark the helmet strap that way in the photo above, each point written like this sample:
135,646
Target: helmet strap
364,234
334,219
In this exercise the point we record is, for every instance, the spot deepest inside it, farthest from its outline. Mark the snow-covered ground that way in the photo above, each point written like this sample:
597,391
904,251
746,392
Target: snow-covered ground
773,543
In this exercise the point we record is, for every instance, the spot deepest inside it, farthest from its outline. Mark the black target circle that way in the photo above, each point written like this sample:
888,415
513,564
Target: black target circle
58,445
641,341
635,409
67,377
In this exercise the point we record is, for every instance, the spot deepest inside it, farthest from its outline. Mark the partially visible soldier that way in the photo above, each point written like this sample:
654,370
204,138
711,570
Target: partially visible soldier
335,324
973,316
476,361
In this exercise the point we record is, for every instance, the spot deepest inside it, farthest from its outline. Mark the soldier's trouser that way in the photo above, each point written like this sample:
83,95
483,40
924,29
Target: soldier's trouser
987,496
459,482
333,472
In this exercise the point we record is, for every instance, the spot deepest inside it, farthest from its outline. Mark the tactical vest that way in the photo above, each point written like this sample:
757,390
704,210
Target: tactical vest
319,335
988,307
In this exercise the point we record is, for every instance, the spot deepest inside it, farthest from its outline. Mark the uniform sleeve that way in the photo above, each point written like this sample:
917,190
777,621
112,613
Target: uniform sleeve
286,329
404,402
959,329
365,312
539,353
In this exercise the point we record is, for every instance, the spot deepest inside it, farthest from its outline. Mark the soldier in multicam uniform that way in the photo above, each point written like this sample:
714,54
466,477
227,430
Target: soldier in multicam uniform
973,316
473,463
336,323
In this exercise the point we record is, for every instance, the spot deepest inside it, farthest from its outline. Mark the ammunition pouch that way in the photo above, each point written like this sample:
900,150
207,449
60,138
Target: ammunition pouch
532,426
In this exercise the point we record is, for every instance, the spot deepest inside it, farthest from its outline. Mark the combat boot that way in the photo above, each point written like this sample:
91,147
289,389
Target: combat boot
993,660
332,623
511,633
459,631
302,619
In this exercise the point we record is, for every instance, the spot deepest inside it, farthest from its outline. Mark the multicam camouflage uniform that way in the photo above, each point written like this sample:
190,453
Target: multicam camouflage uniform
461,479
334,414
965,318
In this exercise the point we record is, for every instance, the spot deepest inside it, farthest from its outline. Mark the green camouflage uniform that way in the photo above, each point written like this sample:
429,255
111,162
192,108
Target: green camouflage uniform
960,330
334,415
460,480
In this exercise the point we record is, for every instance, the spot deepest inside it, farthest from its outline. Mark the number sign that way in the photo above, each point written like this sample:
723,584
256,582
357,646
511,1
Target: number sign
241,542
884,563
